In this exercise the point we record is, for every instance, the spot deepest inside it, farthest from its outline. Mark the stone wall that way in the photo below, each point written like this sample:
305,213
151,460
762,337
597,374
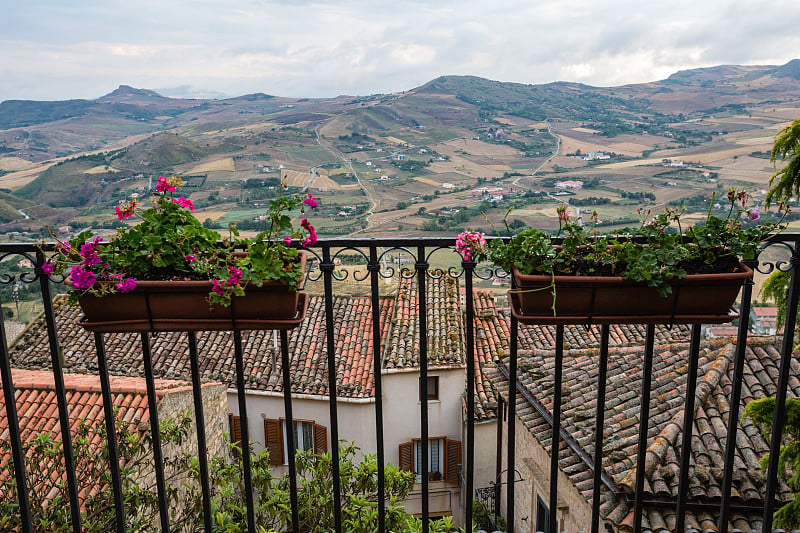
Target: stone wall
533,466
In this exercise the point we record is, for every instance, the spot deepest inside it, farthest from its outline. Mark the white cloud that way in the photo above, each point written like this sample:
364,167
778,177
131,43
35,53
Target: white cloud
53,50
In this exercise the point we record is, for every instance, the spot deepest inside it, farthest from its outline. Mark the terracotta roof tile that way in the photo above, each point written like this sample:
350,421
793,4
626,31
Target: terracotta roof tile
665,432
308,347
37,408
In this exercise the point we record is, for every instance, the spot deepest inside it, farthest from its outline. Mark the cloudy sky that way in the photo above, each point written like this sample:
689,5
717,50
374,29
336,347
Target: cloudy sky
57,49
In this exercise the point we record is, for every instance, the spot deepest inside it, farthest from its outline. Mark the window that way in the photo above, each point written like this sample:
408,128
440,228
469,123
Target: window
433,388
443,460
542,516
236,430
308,436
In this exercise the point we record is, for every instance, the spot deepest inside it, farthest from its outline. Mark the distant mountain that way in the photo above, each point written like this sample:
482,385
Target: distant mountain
789,70
125,91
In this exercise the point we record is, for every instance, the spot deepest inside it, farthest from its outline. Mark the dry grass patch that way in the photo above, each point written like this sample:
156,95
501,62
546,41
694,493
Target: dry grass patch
503,120
13,164
570,145
218,165
459,165
100,169
395,140
295,178
324,182
428,181
585,130
475,147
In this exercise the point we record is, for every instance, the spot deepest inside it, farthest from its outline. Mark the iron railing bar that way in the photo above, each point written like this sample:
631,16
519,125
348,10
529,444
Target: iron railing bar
688,423
111,432
644,421
202,451
17,452
511,425
290,430
498,457
555,446
155,431
736,398
326,267
61,396
469,453
598,427
241,396
779,417
421,266
374,270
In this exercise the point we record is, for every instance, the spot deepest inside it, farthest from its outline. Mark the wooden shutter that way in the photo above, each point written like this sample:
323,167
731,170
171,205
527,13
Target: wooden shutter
273,439
452,461
320,439
236,431
407,456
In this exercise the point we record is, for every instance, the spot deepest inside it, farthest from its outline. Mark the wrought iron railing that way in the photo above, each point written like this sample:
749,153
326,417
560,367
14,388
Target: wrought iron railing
373,260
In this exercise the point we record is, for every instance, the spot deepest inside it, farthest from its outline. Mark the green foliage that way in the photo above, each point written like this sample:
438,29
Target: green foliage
50,500
761,412
776,288
785,182
656,253
171,244
47,488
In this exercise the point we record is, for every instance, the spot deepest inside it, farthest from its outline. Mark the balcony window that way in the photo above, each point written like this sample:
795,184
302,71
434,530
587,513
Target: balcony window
443,459
309,436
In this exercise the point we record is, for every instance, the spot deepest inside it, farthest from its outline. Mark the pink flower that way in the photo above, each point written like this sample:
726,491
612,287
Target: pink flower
287,241
468,242
63,247
311,240
216,286
126,285
753,213
89,252
82,279
184,202
163,185
305,223
235,276
48,267
125,210
189,258
310,202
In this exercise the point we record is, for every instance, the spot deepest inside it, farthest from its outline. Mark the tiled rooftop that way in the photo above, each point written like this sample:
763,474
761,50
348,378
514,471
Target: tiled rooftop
38,412
492,331
308,344
665,430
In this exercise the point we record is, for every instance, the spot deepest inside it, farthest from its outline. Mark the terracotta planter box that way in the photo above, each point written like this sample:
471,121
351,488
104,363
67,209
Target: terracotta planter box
698,298
183,306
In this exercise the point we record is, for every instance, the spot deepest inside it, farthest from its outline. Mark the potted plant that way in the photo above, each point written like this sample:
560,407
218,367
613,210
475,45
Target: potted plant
658,272
169,272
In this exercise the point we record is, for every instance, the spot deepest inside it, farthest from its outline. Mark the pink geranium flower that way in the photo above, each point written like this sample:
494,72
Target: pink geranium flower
753,213
189,258
126,285
287,241
82,279
184,202
163,185
311,202
216,286
47,268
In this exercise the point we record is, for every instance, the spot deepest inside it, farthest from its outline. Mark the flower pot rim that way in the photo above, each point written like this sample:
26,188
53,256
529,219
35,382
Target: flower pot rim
742,272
